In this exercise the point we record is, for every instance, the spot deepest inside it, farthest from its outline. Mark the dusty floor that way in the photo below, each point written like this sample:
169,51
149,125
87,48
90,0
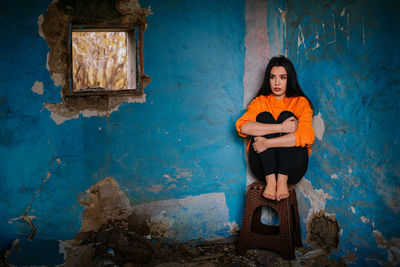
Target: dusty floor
114,245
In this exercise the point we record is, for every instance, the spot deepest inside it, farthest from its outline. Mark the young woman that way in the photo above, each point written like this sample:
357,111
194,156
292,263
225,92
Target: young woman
279,121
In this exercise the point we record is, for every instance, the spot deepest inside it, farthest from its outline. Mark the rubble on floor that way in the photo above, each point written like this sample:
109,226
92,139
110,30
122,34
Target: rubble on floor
114,245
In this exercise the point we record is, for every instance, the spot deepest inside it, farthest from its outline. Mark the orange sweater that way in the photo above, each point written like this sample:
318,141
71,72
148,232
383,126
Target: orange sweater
299,106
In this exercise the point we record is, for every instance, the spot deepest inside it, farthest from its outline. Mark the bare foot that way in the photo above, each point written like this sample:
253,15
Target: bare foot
282,191
270,189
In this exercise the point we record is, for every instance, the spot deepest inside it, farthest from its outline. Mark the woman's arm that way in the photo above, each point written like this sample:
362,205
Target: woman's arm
302,136
261,144
254,128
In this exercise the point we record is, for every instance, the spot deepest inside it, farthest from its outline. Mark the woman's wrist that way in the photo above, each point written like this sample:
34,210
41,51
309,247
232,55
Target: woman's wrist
267,143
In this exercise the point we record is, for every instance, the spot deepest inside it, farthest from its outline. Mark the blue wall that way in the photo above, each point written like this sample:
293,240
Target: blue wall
194,51
353,78
185,129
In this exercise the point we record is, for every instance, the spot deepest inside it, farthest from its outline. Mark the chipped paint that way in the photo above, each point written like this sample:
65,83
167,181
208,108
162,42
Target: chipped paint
160,225
392,247
300,41
317,197
334,176
61,113
103,201
178,175
168,176
343,12
233,228
364,219
283,14
58,79
353,210
318,126
170,218
62,247
73,106
316,39
182,173
40,22
37,88
156,188
47,60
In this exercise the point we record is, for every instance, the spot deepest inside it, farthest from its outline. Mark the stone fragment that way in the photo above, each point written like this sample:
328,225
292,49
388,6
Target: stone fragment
313,254
192,250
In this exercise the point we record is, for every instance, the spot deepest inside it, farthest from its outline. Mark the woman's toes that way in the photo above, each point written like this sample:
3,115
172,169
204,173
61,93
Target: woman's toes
269,196
283,196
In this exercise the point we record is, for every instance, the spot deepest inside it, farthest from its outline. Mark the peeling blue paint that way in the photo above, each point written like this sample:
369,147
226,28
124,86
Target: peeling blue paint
194,53
352,79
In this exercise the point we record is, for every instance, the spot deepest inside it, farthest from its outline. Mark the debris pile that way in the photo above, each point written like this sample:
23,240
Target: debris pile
114,245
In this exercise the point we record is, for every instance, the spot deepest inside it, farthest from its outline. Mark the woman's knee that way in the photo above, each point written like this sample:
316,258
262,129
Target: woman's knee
265,117
285,115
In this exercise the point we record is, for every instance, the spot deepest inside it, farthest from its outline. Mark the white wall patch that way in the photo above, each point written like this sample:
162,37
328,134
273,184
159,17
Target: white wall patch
37,88
317,197
318,126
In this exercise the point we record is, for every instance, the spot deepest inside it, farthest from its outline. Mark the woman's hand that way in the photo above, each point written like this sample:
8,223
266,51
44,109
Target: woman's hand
260,144
290,125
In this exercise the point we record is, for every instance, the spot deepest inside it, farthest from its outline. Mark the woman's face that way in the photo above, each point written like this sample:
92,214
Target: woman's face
278,81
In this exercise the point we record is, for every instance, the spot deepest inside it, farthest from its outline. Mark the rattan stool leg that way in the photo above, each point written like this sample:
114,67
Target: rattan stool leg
243,242
296,220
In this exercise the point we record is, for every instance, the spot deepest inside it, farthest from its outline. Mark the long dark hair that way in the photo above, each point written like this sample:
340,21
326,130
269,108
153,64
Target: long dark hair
292,88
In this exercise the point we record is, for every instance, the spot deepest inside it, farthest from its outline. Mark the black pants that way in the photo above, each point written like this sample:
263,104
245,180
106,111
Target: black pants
291,161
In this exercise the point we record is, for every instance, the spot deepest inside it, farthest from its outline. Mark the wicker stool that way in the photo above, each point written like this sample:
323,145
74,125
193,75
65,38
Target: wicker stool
254,234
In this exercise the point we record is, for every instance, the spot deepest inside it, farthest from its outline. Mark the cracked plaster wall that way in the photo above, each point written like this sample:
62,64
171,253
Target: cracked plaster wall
178,146
193,217
54,28
347,64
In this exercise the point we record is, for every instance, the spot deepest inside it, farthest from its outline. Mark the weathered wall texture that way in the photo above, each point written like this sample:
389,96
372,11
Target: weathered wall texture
177,164
347,60
54,27
176,152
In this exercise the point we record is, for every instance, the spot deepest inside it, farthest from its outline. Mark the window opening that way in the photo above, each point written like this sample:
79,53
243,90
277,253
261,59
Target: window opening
104,60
